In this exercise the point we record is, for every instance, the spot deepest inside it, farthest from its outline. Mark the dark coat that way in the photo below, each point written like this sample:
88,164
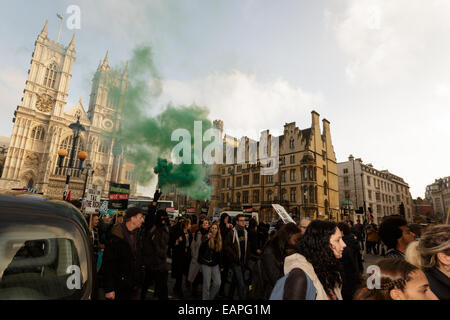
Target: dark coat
232,248
253,242
122,266
181,255
439,283
208,256
155,246
352,265
272,269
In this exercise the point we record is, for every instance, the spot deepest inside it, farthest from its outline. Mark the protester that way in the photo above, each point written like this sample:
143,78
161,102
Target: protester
351,262
155,256
236,254
398,280
210,259
395,234
282,244
181,255
200,235
359,231
317,262
304,223
122,268
434,248
225,228
254,246
372,239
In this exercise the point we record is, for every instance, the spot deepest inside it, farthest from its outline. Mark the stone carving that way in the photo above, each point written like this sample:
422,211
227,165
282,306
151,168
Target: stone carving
45,103
100,170
31,159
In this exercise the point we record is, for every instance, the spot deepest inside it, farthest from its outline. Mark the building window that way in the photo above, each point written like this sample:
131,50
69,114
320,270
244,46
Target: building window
256,196
223,183
239,168
345,181
38,133
283,194
292,159
305,173
238,181
245,197
293,195
312,173
293,175
345,171
311,194
369,192
50,76
269,195
324,155
256,178
368,180
246,180
325,188
292,144
347,195
325,171
238,197
103,147
282,161
377,196
228,182
270,179
378,208
283,176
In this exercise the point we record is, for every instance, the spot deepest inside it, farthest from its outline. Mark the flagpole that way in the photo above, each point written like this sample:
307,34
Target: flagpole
60,26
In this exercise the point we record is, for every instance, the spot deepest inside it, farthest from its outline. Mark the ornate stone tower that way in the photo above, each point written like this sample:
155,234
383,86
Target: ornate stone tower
215,176
44,99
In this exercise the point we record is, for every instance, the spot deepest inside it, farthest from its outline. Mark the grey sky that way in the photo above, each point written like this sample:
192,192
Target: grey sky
377,70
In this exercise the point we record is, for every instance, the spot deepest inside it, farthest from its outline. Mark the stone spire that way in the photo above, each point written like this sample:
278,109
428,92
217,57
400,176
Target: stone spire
72,43
105,64
44,31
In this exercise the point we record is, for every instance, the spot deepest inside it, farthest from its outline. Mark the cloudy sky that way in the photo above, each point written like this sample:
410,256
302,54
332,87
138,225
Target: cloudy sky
378,70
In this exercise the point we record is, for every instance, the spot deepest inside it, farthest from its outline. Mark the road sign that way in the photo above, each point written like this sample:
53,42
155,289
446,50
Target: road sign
93,199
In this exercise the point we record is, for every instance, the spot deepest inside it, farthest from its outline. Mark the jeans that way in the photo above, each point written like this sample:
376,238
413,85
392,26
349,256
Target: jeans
210,273
238,278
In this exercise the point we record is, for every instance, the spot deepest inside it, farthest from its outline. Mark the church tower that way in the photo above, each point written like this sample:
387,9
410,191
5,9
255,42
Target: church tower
43,102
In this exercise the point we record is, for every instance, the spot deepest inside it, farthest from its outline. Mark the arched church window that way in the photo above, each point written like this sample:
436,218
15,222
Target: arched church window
103,147
66,144
38,133
50,76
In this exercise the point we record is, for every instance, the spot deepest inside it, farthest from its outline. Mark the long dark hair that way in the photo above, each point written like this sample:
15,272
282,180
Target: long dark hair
280,241
314,245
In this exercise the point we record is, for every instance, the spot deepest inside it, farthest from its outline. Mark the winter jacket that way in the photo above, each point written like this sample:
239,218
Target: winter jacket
439,283
181,254
122,266
233,248
296,260
156,243
272,269
194,267
253,242
209,256
352,265
372,234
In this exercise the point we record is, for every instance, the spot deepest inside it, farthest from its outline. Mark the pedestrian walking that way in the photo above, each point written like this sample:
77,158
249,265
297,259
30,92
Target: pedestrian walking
434,248
236,252
359,231
181,254
283,243
156,243
398,280
122,266
194,276
351,262
225,227
210,259
316,266
372,239
396,235
254,245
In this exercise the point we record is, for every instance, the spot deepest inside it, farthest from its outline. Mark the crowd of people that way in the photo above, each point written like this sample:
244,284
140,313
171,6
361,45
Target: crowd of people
233,258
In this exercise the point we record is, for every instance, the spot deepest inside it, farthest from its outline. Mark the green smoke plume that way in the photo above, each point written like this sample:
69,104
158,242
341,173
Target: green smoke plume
146,140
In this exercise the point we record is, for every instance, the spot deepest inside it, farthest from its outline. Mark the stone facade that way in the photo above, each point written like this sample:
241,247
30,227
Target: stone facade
438,193
306,183
366,187
41,126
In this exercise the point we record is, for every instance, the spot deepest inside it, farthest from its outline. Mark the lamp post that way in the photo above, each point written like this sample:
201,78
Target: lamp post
87,168
76,128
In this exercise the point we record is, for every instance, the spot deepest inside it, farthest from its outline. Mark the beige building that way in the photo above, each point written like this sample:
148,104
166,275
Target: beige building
41,126
379,191
438,193
306,183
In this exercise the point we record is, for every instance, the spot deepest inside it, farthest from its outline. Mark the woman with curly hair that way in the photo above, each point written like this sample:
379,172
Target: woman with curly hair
398,280
316,270
434,249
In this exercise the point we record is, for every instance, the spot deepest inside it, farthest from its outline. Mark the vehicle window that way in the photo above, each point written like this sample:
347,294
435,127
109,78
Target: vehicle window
42,262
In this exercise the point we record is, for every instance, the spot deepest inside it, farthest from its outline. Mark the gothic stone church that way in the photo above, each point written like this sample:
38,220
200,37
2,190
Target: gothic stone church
41,127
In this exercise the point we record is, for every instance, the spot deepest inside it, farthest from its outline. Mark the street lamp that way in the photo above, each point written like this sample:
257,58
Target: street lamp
76,128
87,168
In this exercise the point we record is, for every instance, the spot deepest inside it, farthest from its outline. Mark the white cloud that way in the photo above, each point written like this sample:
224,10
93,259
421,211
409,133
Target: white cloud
388,41
246,104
